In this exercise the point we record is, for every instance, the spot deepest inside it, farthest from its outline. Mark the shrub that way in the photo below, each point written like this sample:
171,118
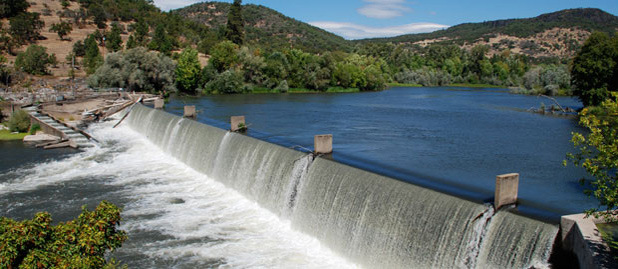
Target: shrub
34,60
19,121
81,243
34,128
136,70
229,81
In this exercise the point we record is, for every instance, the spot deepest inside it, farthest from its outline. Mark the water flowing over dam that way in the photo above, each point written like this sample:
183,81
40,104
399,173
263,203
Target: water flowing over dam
371,220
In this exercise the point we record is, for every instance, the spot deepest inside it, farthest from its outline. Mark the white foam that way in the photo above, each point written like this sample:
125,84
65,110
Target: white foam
203,219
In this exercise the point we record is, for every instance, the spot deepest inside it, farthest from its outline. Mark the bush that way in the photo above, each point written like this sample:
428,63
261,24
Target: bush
229,81
19,121
136,70
34,128
81,243
34,60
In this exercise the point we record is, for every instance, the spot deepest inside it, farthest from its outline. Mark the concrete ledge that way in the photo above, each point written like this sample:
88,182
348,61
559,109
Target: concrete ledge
323,144
235,121
190,112
581,236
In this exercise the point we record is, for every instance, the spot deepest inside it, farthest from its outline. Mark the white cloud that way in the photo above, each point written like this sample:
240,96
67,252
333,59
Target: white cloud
384,9
356,31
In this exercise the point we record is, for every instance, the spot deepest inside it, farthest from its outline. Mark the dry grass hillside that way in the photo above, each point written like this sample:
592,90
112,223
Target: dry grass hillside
61,48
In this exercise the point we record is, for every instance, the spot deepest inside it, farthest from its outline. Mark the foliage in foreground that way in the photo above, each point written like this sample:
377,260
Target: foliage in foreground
598,154
19,122
80,243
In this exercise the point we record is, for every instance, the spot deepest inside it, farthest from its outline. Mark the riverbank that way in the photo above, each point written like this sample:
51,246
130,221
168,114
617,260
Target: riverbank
6,135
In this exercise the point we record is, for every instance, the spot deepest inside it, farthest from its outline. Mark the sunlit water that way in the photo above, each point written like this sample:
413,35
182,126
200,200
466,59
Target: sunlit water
175,216
451,139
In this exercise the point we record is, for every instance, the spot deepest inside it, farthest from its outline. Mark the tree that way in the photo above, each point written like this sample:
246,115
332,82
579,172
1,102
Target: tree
92,56
141,31
235,23
113,41
33,61
223,56
26,27
136,70
10,8
188,71
98,14
81,243
595,69
161,41
62,28
79,49
131,43
598,154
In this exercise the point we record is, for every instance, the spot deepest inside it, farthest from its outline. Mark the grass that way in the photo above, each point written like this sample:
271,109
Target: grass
301,90
6,135
472,85
394,84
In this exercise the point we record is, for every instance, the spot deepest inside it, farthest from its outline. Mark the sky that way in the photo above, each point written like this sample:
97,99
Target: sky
357,19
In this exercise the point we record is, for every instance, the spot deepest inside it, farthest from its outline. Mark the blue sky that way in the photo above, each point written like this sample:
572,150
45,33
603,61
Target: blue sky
354,19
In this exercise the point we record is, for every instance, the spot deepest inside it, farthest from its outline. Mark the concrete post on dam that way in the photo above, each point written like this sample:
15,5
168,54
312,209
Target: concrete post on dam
323,144
506,190
159,103
238,124
190,112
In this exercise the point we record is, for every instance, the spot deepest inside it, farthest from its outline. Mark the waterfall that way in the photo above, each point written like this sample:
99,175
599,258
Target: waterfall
370,219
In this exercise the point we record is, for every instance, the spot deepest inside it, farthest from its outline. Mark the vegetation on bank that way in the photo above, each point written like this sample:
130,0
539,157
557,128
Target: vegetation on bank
80,243
6,135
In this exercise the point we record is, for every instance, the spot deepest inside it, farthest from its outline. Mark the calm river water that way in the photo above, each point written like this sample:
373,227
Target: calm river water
448,138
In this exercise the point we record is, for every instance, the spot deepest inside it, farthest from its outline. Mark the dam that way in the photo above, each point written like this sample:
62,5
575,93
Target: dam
371,220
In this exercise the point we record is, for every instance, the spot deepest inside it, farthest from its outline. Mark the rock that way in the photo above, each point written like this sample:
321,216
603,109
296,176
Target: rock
40,138
2,127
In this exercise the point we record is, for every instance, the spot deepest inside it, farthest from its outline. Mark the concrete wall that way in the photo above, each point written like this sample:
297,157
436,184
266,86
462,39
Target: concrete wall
581,236
46,128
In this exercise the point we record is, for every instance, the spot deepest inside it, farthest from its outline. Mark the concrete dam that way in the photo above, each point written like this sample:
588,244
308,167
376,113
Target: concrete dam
371,220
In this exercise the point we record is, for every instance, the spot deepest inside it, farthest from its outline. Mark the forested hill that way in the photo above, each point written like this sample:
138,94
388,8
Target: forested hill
556,34
267,28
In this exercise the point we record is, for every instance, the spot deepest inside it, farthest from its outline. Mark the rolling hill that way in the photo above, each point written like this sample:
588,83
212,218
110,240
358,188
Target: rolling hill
557,34
267,28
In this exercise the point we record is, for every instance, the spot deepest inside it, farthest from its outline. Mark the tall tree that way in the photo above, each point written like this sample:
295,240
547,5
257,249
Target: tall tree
161,41
92,57
595,69
235,23
188,71
113,40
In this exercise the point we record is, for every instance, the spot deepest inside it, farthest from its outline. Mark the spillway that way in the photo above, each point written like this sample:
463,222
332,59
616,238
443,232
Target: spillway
371,220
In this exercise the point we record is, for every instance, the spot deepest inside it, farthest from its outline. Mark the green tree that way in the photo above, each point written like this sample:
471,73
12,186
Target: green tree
81,243
136,70
62,28
161,41
26,27
10,8
131,43
223,56
235,23
99,16
188,71
19,122
79,49
113,41
92,56
598,154
595,69
230,81
141,32
34,60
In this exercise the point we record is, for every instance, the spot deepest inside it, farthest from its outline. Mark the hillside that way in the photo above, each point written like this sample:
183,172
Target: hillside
557,34
267,28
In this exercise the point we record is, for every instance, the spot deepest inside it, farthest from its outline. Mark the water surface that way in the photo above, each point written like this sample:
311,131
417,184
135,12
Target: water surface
447,138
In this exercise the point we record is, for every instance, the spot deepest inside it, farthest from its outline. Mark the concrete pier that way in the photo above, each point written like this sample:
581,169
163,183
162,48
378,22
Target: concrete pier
190,112
581,236
323,144
236,121
506,190
159,104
